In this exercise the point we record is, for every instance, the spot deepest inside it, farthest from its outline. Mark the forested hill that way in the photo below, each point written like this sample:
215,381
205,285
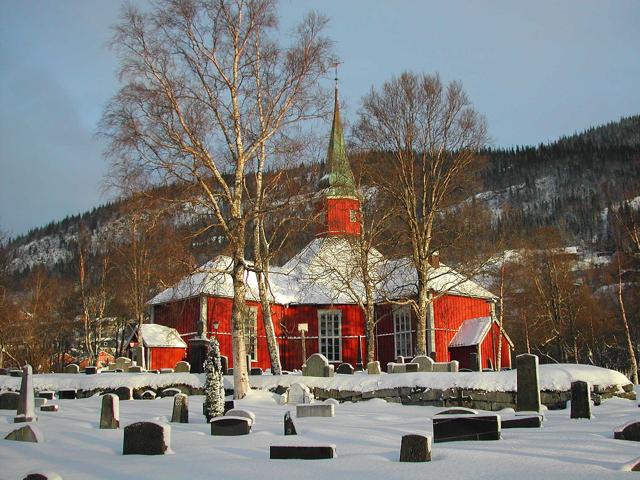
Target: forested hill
570,183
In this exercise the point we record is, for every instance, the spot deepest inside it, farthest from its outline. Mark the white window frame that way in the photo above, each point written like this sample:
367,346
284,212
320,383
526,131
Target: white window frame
251,331
402,327
331,315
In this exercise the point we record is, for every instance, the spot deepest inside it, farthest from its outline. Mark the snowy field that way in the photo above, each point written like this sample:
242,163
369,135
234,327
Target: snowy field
366,434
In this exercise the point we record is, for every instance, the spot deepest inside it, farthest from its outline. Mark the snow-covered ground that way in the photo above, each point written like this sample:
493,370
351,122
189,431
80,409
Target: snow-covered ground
366,434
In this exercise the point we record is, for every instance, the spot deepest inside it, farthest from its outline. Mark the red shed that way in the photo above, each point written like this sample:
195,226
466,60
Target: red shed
162,346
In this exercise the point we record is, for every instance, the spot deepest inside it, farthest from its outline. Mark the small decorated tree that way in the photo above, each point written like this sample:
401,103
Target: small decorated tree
213,385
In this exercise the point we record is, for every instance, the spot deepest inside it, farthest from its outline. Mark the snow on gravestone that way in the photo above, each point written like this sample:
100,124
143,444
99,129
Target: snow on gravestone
110,412
146,438
237,412
528,387
26,403
299,393
180,412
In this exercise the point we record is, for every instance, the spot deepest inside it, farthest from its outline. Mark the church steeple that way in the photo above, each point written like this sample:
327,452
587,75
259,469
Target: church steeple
340,203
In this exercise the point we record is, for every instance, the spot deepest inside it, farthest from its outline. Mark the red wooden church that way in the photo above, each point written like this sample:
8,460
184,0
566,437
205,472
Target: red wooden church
309,293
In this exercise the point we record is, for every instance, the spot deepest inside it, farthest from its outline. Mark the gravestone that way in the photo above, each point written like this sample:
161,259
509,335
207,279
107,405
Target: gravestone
25,411
90,370
410,367
170,392
524,421
474,362
373,368
146,438
228,405
230,426
628,431
345,369
15,373
49,408
67,394
467,427
135,369
183,367
39,401
528,388
9,400
299,393
48,394
180,412
315,410
415,448
425,364
148,395
27,433
300,452
124,393
580,400
72,368
317,365
255,371
399,359
237,412
332,401
42,476
224,363
458,411
166,370
289,427
110,412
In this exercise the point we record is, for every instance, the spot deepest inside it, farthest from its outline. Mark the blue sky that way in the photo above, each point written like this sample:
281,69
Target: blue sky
537,70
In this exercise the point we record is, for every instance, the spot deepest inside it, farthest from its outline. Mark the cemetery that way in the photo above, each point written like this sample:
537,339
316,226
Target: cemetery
579,420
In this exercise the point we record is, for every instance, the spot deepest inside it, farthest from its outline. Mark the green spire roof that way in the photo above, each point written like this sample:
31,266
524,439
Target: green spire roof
338,179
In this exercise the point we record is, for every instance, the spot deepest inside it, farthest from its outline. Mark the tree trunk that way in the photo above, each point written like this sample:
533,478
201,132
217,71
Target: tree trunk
633,363
240,367
370,319
421,323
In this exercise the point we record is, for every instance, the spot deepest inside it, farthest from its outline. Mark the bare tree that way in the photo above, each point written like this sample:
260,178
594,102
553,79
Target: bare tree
188,111
432,133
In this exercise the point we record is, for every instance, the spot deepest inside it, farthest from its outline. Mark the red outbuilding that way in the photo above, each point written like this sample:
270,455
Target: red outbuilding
316,292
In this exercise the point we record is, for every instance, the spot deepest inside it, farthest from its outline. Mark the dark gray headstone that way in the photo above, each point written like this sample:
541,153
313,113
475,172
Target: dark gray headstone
110,412
289,427
297,452
49,408
345,369
533,421
474,362
230,426
255,371
69,394
123,393
528,388
580,400
180,412
628,431
15,373
9,400
415,448
72,368
468,427
146,438
28,433
48,394
90,370
148,395
229,405
224,363
411,367
42,476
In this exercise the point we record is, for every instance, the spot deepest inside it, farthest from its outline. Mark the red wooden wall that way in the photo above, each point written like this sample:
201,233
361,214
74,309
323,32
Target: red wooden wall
489,349
166,357
337,216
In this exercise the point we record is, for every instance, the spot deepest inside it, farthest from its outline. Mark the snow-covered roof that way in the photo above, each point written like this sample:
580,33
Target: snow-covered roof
471,332
154,335
326,271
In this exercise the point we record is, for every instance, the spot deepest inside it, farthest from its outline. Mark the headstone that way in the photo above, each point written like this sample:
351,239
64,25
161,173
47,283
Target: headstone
146,438
628,431
148,395
458,411
528,421
228,405
467,427
39,401
15,372
180,412
67,394
399,359
373,368
580,400
26,404
183,367
289,427
135,369
474,362
425,364
9,400
255,371
415,448
230,426
315,410
27,433
317,365
299,393
224,363
110,412
72,368
345,369
300,452
49,408
48,394
90,370
42,476
528,389
170,392
166,370
410,367
237,412
124,393
332,401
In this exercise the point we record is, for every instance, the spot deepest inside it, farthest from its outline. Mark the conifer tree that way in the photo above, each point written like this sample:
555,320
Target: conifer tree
213,385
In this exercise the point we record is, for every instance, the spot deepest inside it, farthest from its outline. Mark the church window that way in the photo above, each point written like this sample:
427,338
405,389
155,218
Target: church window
402,331
330,327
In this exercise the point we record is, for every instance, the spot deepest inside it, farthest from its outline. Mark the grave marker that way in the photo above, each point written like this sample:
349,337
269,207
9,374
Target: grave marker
230,426
27,433
26,403
528,388
415,448
110,411
580,400
298,452
180,412
466,427
9,400
315,410
146,438
289,427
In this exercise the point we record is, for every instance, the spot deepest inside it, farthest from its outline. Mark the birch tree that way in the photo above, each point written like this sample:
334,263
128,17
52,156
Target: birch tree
188,110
